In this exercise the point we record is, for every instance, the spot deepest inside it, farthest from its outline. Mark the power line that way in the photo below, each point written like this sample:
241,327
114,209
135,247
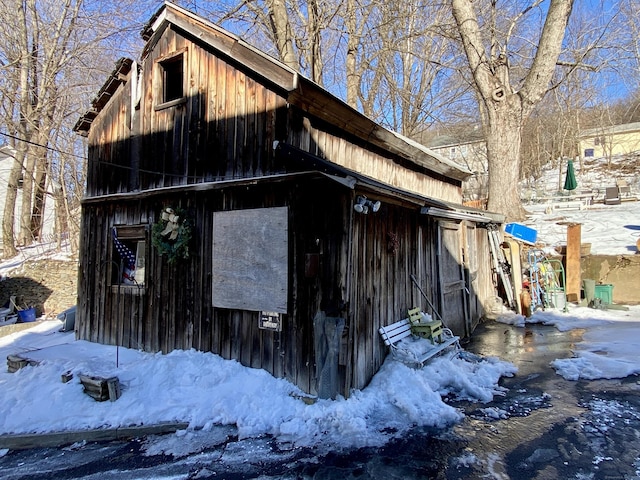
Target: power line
43,146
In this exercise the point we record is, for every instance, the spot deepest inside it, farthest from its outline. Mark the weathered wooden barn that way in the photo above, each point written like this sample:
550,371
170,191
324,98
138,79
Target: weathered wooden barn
234,206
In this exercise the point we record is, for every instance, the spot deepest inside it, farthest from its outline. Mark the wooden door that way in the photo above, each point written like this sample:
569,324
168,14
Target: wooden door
470,257
453,297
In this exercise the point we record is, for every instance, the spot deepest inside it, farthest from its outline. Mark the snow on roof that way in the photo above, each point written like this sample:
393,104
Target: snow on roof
610,130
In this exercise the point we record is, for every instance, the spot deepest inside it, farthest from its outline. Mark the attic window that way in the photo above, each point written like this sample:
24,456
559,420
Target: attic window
172,73
170,87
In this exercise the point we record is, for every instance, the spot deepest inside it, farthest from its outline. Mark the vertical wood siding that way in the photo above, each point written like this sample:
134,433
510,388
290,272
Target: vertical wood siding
387,248
225,130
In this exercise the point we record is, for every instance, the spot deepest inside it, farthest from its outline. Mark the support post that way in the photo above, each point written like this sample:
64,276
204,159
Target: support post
572,261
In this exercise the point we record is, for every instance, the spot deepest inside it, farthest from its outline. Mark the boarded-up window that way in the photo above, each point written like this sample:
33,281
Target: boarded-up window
250,259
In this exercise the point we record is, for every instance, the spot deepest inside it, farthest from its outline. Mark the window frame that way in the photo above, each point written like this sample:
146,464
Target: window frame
161,72
131,236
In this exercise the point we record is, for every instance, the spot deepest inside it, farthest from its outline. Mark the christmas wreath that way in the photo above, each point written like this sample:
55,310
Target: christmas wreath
171,234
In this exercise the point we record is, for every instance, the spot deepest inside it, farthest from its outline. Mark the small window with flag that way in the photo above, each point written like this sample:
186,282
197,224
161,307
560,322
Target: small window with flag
129,254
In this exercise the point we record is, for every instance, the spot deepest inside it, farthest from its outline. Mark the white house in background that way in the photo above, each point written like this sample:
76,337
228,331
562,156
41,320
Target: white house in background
7,157
471,154
608,141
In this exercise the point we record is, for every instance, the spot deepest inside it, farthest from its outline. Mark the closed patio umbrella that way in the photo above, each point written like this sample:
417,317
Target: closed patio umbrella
570,182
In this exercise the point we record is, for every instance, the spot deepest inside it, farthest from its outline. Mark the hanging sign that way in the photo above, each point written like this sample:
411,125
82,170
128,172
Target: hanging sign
270,321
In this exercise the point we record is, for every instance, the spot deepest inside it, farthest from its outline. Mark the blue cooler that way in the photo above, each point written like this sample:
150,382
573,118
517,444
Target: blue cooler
521,232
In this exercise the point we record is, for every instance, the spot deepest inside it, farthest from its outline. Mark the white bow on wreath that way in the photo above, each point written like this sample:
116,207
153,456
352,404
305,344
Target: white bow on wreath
172,226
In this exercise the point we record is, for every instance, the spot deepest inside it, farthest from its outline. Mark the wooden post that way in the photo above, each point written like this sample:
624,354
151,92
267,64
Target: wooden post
572,261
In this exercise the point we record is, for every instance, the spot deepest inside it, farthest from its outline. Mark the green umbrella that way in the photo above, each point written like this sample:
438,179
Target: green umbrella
570,182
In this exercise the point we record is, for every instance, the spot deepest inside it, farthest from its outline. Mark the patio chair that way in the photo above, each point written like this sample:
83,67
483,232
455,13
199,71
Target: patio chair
612,196
8,310
623,187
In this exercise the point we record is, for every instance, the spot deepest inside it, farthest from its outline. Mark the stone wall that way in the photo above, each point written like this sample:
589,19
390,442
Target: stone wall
49,285
621,271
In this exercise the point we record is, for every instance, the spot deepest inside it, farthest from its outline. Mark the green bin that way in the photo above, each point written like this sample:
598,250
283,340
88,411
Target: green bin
605,293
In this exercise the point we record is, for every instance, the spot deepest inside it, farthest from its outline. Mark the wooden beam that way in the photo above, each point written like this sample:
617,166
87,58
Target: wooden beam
573,262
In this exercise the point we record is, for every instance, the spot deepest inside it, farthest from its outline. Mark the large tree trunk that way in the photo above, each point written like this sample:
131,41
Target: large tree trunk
8,219
282,32
353,79
25,237
504,134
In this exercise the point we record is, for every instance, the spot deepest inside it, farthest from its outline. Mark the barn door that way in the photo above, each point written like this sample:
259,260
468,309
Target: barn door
453,287
471,273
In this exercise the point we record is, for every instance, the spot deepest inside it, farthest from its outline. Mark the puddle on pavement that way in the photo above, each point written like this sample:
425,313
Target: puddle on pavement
546,426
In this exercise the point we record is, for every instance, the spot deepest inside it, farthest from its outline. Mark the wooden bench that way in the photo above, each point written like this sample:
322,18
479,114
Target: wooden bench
568,205
412,349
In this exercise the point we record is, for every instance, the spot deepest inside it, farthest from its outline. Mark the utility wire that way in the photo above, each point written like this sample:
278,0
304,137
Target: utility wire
43,146
102,162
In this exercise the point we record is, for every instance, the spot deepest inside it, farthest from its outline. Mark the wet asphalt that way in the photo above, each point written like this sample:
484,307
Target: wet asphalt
544,427
547,427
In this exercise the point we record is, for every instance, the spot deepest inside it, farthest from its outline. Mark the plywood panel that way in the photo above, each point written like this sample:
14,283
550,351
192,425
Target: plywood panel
250,259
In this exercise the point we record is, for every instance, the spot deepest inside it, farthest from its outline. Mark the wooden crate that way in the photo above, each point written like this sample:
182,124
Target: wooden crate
101,389
16,362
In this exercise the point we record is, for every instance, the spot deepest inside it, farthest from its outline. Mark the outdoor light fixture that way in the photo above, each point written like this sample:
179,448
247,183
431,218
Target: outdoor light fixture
363,205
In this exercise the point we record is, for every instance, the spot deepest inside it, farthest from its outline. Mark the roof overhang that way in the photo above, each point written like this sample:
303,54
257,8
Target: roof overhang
117,77
347,178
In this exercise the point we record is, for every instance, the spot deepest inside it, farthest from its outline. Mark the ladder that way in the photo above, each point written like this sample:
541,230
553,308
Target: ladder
500,266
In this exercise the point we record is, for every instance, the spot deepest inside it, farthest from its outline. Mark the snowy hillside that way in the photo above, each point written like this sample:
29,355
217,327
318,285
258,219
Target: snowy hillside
592,175
611,229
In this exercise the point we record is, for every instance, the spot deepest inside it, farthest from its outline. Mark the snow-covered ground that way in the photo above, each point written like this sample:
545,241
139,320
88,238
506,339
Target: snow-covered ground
204,390
610,229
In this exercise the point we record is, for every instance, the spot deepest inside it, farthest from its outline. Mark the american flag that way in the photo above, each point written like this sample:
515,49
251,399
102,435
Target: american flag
127,256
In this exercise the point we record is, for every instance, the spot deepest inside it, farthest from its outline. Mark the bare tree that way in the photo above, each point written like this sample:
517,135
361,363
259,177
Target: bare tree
386,58
52,56
504,107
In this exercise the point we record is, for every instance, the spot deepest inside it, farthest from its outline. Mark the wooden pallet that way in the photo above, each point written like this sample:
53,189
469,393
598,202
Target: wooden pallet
101,389
16,362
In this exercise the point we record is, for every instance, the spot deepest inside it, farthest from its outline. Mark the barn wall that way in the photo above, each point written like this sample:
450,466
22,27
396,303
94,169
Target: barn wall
484,286
109,166
319,140
173,310
345,265
223,128
387,248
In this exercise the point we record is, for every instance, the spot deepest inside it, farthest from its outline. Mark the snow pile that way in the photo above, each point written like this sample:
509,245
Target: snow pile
205,390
